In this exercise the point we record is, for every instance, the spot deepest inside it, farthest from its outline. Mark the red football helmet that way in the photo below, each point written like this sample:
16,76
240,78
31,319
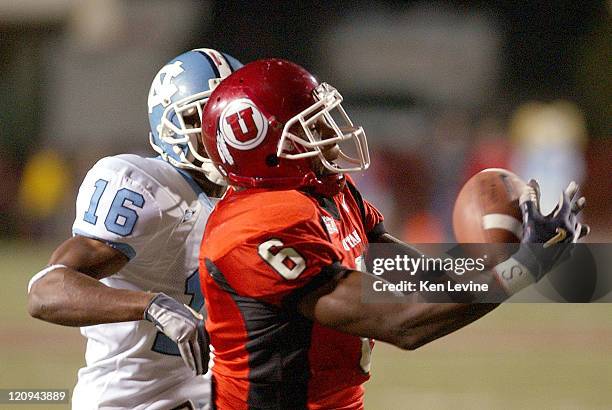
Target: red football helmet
262,127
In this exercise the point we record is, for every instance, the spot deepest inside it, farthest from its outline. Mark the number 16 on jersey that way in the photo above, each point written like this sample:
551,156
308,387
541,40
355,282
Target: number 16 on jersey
121,218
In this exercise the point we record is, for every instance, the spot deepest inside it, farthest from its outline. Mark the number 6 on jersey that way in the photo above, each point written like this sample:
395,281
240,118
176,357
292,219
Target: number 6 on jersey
286,261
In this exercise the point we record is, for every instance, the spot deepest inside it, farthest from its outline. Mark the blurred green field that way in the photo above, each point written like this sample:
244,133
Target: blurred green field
539,356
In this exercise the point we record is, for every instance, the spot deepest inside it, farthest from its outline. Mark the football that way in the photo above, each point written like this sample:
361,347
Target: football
487,208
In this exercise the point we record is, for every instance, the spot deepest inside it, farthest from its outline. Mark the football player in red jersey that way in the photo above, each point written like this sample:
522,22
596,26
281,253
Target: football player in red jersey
281,263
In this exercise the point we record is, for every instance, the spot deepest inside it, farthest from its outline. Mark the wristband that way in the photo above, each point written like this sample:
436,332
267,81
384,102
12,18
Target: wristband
513,275
43,273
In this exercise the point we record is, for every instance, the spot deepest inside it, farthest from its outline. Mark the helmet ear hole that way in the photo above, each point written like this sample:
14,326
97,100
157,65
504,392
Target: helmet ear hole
272,160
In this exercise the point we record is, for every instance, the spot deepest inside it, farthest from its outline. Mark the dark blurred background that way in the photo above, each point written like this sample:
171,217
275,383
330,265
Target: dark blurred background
443,89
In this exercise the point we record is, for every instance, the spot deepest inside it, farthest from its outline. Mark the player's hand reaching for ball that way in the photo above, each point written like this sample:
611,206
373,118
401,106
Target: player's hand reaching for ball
545,237
561,225
184,326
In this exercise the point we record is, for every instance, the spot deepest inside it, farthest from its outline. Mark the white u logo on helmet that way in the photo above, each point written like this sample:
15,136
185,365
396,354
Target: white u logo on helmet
242,125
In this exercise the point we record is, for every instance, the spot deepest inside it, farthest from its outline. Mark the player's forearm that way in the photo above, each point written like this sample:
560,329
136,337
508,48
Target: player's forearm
495,293
426,322
69,298
421,323
408,323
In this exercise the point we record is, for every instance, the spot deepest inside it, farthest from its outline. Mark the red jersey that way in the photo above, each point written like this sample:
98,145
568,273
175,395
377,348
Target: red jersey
262,251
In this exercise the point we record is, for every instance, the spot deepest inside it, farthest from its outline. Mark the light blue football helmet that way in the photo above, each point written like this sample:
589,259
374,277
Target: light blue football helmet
176,100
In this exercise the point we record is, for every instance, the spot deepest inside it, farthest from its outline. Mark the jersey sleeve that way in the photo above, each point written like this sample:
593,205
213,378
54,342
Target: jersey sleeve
115,205
278,264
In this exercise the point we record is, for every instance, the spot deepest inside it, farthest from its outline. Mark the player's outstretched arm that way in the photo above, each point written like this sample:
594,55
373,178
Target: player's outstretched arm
411,324
408,324
69,291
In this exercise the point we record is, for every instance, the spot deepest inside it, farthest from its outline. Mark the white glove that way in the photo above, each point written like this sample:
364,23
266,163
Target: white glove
182,325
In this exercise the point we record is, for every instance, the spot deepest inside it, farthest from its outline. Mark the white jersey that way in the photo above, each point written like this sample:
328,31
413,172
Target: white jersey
155,214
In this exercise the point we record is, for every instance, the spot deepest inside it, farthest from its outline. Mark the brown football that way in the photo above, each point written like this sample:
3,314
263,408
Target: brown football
487,209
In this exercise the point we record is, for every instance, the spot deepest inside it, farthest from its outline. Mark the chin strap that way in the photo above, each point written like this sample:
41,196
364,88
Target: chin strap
329,185
212,174
207,168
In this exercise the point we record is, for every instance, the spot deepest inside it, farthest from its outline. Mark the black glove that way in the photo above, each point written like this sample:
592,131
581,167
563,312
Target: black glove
554,230
561,225
545,239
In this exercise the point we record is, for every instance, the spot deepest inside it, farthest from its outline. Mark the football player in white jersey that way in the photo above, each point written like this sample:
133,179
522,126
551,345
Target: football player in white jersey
129,274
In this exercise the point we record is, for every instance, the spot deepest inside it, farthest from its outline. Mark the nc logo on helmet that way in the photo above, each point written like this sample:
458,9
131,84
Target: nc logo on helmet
242,125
